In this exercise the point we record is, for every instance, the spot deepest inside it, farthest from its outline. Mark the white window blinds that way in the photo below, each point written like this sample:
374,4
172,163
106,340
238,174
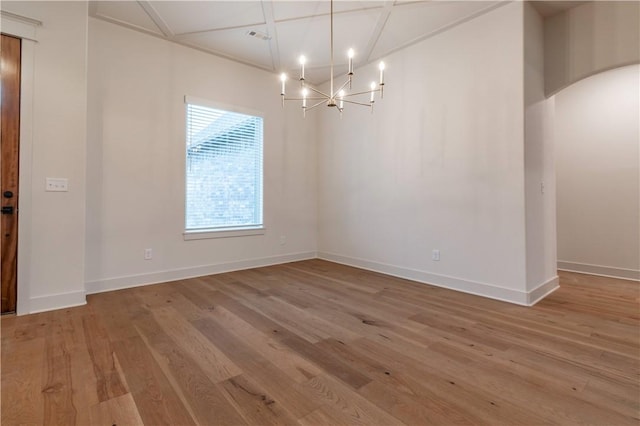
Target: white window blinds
223,170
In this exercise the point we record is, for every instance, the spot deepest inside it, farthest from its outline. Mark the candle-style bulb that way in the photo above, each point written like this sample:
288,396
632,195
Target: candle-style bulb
373,87
381,68
302,61
350,54
283,78
305,92
341,97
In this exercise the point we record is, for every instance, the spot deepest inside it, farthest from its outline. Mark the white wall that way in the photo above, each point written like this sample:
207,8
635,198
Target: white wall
540,197
452,160
54,274
590,38
439,165
598,179
135,162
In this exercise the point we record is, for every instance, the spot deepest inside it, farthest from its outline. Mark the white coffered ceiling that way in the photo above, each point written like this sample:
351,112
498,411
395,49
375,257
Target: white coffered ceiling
372,28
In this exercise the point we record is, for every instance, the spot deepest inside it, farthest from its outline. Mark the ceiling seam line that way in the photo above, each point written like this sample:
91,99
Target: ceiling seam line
213,30
156,18
267,10
377,32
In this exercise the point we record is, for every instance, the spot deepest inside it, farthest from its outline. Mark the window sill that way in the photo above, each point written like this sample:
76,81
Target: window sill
228,233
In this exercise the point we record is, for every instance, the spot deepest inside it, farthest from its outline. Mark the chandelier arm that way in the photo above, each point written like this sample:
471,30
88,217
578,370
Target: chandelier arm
309,99
358,103
315,105
361,93
341,87
318,92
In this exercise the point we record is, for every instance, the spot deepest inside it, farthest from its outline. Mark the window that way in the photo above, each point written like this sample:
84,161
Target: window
223,171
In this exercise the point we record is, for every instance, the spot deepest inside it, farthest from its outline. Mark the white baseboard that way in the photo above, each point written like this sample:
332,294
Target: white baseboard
118,283
51,302
543,290
604,271
453,283
71,299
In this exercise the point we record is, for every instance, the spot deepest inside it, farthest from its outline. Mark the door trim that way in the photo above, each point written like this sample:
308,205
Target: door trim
25,177
24,28
19,26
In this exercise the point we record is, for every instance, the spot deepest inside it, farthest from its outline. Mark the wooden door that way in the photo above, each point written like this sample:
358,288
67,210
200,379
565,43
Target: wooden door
9,156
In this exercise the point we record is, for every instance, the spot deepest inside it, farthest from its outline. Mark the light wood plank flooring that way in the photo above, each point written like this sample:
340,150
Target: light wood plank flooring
318,343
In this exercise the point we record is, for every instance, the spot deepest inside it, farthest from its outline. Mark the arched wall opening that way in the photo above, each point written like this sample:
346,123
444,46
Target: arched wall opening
588,39
597,149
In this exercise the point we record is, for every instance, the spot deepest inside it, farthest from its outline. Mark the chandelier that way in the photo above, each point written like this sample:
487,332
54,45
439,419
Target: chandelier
338,97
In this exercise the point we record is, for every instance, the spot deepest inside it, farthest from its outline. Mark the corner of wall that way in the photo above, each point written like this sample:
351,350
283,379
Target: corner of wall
543,290
539,160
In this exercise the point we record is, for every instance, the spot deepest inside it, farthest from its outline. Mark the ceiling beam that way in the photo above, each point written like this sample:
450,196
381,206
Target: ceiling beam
156,18
382,21
214,30
267,9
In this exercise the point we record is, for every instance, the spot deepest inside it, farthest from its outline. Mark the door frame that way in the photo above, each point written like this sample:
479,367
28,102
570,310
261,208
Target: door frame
25,29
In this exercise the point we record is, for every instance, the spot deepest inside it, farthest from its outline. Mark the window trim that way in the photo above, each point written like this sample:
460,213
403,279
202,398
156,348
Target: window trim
204,234
222,106
231,231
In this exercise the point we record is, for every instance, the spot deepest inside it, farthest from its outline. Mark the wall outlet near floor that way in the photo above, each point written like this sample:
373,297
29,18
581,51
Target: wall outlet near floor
435,255
148,254
283,240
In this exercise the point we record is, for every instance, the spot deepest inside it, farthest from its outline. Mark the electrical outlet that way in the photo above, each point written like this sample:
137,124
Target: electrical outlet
148,254
435,255
283,240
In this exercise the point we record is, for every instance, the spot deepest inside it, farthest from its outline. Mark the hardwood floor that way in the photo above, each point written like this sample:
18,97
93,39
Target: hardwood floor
318,343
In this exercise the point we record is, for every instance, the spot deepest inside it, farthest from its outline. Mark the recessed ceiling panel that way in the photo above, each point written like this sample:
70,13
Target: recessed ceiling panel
311,37
409,22
284,10
234,44
126,12
190,16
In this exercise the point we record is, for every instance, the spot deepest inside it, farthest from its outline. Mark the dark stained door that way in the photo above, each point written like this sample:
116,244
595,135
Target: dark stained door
9,160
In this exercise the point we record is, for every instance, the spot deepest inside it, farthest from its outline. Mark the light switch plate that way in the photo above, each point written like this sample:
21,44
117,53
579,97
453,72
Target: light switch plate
57,184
